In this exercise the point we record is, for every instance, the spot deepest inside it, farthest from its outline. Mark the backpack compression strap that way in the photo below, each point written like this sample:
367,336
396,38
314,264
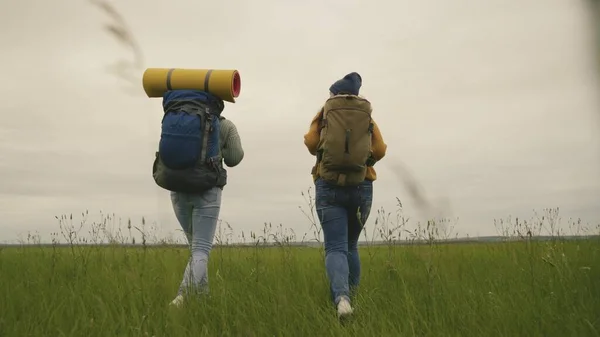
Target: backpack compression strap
207,128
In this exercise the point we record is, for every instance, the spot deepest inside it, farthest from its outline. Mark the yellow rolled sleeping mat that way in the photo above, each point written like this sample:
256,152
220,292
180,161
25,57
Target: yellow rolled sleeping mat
223,83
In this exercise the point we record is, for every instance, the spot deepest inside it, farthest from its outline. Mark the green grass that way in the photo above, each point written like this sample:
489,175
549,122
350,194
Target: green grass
502,289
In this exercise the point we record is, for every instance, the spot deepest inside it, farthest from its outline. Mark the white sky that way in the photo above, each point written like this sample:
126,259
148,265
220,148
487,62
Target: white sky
493,105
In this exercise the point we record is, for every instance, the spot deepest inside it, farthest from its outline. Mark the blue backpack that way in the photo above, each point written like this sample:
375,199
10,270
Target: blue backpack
188,157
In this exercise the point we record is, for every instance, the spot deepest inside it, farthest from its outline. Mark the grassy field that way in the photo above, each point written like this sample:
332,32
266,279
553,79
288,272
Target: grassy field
502,289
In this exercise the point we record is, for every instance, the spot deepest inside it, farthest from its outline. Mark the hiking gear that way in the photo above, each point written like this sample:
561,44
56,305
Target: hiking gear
223,83
178,301
344,309
350,84
344,149
189,154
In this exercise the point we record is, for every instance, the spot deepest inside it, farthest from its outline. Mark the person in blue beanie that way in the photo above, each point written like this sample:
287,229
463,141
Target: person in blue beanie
347,143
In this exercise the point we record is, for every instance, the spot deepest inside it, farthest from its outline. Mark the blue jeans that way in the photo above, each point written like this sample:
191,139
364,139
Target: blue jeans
342,211
197,214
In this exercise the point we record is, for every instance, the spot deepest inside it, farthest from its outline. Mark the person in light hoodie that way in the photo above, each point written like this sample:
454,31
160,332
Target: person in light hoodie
189,163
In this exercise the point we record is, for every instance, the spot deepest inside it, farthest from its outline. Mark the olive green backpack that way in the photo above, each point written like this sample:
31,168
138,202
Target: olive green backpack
344,149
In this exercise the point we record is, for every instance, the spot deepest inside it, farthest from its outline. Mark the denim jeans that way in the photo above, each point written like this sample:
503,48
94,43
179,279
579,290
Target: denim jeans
197,214
342,211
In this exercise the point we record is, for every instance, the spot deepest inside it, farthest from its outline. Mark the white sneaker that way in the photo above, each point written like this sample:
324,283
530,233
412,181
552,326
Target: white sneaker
344,308
178,301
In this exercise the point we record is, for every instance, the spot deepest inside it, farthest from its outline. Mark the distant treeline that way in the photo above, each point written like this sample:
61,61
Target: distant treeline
480,239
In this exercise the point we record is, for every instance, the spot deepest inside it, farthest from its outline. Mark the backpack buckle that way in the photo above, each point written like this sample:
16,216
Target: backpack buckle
212,162
209,120
323,123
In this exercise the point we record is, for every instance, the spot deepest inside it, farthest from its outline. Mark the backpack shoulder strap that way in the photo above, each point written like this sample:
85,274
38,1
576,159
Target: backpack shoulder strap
322,120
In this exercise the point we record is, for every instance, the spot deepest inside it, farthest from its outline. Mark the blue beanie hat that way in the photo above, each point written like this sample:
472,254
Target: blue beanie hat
350,84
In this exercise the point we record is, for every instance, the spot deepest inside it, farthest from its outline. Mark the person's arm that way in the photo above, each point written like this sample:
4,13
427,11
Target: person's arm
378,146
311,138
233,153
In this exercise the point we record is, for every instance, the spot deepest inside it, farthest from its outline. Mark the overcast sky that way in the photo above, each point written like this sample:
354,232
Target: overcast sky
491,105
